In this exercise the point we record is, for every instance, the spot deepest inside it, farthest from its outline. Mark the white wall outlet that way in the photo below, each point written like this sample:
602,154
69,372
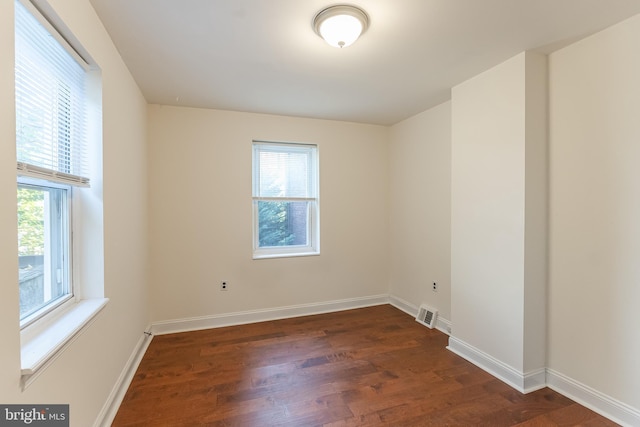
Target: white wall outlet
435,287
224,286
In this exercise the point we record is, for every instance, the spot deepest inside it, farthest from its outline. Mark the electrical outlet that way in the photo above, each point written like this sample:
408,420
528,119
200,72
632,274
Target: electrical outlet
224,286
435,287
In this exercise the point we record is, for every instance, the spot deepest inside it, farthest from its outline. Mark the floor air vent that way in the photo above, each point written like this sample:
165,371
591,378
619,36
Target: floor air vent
427,316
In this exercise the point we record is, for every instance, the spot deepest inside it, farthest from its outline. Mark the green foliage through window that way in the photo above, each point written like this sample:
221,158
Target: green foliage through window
30,221
274,224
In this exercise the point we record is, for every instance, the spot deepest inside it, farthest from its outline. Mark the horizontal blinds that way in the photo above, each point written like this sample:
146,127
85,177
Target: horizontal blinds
50,105
25,169
284,171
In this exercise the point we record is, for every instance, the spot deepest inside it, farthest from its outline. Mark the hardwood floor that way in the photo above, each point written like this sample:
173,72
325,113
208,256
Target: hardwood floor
373,366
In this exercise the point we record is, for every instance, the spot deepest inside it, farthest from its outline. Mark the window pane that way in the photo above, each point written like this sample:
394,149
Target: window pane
282,223
43,245
284,174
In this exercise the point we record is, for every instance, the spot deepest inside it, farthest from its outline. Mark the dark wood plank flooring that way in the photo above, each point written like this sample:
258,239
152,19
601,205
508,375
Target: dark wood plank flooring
373,366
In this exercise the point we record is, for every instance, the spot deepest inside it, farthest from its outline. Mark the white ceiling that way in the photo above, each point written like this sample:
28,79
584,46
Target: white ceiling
263,55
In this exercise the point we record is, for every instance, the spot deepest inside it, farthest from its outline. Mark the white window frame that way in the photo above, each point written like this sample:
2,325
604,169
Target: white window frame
313,202
44,337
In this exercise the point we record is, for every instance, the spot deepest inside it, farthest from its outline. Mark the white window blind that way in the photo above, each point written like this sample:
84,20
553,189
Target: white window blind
285,171
50,105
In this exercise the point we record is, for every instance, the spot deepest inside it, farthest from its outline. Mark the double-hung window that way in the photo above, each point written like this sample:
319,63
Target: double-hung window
51,112
285,200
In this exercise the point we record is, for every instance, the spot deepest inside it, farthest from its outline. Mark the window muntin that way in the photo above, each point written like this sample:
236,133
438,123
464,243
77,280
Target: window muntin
51,142
285,199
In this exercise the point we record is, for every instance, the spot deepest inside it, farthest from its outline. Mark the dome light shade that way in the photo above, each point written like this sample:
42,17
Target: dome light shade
340,25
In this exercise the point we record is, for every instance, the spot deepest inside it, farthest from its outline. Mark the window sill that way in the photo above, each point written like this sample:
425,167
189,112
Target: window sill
269,255
40,348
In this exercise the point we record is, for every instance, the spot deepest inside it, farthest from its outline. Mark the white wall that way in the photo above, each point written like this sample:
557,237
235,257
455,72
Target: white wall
487,250
85,373
420,204
498,163
201,229
594,275
9,303
536,211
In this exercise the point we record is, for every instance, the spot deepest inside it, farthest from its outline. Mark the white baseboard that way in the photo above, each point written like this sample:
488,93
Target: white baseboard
403,305
523,382
442,324
111,406
254,316
593,399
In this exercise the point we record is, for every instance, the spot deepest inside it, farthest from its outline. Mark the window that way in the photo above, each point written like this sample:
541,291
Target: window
285,200
51,113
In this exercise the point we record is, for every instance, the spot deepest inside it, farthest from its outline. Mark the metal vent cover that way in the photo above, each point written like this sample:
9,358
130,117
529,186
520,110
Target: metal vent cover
427,316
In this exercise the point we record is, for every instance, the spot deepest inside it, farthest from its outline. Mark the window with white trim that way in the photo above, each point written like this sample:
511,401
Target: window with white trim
51,141
285,200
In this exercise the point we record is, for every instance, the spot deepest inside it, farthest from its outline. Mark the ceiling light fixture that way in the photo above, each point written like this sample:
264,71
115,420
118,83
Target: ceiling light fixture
341,25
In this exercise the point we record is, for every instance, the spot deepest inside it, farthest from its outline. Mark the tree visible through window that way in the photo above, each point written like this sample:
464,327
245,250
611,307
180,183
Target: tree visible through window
43,246
285,199
30,222
283,223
